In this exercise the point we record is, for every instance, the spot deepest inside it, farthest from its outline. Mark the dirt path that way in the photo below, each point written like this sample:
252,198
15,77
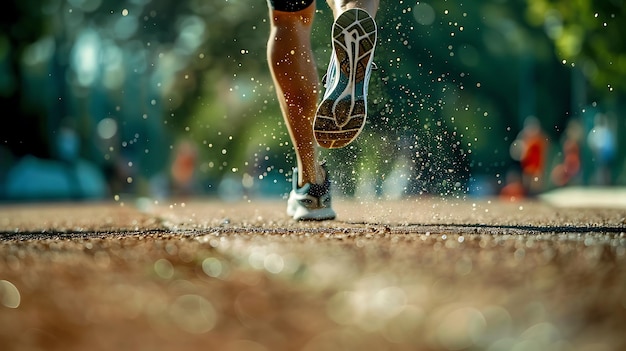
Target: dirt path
411,275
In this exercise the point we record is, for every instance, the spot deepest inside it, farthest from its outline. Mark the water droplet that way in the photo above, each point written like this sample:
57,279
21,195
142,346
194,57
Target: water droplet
193,314
461,328
163,268
212,267
273,263
9,294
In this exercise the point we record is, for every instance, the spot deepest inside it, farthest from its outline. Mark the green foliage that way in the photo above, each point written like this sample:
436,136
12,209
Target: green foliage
589,34
454,84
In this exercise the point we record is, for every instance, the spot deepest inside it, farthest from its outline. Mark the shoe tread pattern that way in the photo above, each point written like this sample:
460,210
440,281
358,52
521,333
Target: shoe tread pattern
341,114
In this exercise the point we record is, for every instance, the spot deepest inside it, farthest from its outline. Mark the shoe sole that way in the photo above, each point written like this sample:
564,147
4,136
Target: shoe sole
322,214
341,115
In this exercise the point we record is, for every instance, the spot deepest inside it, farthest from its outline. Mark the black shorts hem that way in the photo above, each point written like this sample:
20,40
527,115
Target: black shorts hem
289,5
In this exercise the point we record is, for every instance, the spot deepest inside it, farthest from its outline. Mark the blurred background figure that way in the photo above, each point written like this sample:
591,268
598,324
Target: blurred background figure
180,180
603,145
111,87
67,177
183,170
530,149
514,189
565,172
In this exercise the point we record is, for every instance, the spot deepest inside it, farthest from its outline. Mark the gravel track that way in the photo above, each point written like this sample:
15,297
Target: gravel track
417,274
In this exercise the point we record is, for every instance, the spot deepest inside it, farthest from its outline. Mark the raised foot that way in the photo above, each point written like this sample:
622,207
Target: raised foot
341,115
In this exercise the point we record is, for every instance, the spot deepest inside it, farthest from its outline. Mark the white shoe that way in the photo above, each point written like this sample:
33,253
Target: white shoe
311,201
340,117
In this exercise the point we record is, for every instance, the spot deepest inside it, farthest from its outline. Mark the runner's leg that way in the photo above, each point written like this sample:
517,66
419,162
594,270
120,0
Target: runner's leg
296,80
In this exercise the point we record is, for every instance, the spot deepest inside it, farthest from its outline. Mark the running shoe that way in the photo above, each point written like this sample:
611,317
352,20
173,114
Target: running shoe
311,201
341,115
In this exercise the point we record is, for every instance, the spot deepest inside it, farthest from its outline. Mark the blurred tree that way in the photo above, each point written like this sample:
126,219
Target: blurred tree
589,37
455,82
588,34
22,23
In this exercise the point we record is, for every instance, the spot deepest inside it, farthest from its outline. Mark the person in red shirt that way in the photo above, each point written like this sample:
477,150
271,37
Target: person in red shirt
530,150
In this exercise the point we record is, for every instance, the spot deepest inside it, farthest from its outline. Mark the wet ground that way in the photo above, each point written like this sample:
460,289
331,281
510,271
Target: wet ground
418,274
